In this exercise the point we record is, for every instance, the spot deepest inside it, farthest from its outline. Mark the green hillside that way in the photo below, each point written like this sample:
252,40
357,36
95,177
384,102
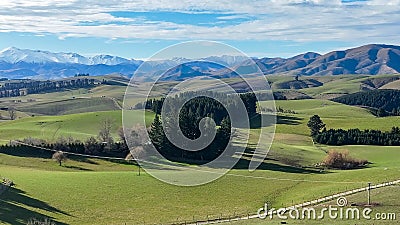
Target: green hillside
71,106
96,191
80,126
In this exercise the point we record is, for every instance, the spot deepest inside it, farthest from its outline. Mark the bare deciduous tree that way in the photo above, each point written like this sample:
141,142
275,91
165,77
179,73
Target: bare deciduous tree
12,113
105,131
137,136
137,140
60,157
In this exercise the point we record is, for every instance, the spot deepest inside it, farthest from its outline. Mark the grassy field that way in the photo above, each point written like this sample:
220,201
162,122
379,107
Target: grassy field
71,106
77,192
334,115
81,125
385,200
94,191
392,85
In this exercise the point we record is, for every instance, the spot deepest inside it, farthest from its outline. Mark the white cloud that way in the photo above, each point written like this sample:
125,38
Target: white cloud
297,20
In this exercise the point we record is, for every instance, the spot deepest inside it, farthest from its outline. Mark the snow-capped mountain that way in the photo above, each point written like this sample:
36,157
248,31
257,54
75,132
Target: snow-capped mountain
230,60
16,55
109,60
368,59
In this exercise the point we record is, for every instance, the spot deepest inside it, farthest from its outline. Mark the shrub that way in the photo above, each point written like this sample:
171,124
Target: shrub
342,160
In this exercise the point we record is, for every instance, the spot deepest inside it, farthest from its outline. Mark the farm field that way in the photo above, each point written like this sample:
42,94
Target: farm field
81,125
96,191
386,201
81,189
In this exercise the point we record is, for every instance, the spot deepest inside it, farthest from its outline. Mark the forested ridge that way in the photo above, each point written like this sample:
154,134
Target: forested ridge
386,102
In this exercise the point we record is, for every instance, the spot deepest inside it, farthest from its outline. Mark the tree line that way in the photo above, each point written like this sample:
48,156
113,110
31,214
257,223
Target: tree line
201,106
102,145
14,89
352,136
382,102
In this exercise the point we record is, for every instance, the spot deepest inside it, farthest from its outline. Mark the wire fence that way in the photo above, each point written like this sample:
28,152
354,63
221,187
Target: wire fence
137,161
236,215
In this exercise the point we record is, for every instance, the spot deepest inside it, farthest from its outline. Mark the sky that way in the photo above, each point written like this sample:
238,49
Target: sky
139,29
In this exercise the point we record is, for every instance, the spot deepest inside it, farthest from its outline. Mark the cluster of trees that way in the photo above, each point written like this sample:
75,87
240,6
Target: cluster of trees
383,102
191,131
359,137
102,145
352,136
190,115
202,106
90,146
282,110
13,89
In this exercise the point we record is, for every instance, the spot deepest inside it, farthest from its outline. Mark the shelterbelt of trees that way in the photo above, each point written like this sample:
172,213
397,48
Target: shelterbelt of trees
352,136
383,102
14,89
359,137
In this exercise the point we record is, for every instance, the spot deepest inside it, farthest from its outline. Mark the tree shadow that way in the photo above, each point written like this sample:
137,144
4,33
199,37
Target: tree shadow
244,163
265,120
81,159
12,208
288,120
77,168
39,153
25,152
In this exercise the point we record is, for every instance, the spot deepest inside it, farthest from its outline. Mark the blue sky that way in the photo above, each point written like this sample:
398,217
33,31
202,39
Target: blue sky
138,29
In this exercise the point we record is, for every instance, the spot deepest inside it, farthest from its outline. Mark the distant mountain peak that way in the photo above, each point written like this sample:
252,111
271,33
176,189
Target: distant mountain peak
14,55
368,59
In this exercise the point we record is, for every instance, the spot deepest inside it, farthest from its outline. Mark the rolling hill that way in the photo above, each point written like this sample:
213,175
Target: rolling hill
369,59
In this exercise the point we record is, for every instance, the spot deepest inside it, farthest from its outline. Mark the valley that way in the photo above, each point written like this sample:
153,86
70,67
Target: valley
93,190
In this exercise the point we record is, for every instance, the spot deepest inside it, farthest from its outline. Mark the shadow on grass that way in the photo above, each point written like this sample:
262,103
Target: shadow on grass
77,168
25,151
81,159
272,166
288,120
14,204
268,120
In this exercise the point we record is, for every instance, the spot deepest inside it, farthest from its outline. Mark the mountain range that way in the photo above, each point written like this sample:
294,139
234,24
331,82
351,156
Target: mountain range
370,59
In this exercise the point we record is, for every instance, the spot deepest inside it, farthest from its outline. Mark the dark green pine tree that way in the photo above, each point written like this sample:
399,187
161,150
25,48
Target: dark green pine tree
156,133
315,124
223,134
381,112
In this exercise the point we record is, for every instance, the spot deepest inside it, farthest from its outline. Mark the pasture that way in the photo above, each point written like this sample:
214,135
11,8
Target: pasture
96,191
